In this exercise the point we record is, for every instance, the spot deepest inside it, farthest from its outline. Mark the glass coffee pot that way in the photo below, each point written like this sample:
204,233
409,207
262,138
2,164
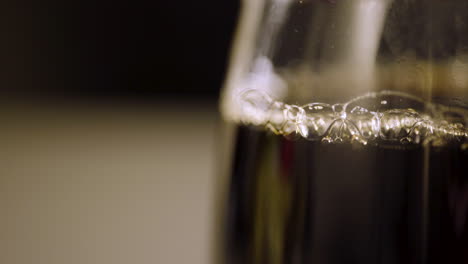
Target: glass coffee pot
349,123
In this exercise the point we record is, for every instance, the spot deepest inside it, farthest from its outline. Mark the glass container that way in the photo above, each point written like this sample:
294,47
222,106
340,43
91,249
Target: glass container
349,130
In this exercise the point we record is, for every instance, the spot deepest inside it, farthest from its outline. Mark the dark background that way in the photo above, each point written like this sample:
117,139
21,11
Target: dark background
143,50
109,129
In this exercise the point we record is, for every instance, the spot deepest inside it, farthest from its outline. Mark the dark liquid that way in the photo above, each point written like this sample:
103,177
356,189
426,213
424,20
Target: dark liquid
311,202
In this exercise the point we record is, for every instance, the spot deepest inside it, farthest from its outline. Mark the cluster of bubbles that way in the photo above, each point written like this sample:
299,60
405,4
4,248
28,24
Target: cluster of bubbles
385,116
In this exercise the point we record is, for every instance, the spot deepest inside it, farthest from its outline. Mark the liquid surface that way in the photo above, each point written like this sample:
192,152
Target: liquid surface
381,117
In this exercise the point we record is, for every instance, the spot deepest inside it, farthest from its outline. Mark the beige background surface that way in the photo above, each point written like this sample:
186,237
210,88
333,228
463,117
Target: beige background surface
115,184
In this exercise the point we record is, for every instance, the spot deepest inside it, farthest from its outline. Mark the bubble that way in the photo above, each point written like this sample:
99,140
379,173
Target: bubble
276,119
338,140
388,100
289,128
294,113
406,140
359,139
338,108
303,130
318,117
455,131
366,122
390,125
343,131
454,117
359,110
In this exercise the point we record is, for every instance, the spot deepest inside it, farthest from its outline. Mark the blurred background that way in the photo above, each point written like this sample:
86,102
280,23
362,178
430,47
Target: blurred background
110,128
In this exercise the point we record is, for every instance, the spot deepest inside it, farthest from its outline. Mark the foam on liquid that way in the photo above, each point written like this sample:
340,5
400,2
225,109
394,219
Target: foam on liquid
379,118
